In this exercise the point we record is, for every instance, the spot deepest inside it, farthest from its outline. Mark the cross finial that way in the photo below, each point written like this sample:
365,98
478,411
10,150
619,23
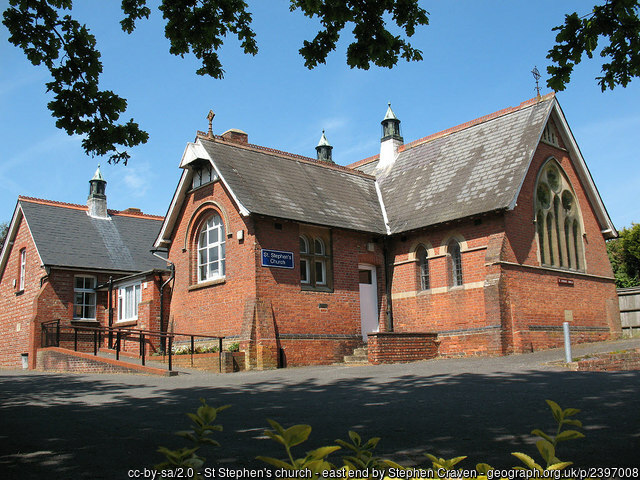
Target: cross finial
210,118
536,75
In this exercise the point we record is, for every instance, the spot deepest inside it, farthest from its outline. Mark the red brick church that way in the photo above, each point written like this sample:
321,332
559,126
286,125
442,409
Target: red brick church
481,239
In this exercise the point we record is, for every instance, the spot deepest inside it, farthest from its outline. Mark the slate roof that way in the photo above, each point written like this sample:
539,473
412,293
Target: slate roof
472,169
66,236
273,183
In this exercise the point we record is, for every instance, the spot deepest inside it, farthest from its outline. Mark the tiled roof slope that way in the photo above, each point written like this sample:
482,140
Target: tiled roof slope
465,171
298,189
66,236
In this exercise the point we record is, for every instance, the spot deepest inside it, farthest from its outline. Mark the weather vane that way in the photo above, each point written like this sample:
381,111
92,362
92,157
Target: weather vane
536,75
210,118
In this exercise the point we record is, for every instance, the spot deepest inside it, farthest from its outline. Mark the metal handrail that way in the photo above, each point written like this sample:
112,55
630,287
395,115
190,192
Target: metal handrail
142,335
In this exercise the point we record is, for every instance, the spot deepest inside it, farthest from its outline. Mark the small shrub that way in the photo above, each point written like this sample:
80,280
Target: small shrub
359,454
234,347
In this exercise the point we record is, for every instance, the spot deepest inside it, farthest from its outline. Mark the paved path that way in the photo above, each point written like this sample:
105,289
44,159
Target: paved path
100,426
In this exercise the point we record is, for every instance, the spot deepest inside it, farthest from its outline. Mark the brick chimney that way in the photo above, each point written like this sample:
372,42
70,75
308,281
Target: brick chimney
236,136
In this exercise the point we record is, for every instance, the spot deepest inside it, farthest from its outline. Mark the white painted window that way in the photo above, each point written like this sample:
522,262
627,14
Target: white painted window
84,298
315,262
211,249
129,297
23,269
203,174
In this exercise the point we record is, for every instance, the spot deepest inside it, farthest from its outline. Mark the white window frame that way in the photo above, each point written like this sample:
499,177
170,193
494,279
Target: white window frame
23,269
204,247
86,293
202,175
129,297
304,261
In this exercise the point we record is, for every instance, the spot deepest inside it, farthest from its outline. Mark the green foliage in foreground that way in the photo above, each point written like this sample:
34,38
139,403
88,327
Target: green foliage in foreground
357,453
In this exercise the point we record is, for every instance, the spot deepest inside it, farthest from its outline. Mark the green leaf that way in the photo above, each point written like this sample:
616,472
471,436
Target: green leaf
546,449
296,435
527,460
575,423
559,466
556,410
568,435
322,452
276,426
483,468
355,438
541,434
372,443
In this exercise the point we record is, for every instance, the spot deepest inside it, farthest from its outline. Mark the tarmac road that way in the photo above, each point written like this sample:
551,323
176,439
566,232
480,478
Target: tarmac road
66,426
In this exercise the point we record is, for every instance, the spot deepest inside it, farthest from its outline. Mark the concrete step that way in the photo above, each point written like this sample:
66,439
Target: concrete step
359,357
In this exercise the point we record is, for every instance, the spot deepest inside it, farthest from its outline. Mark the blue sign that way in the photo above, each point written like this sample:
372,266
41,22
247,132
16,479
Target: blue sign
276,258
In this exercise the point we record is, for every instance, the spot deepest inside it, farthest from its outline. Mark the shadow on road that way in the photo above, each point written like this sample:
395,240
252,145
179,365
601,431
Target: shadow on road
68,426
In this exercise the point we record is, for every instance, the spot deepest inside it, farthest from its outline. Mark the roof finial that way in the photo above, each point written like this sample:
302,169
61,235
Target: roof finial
536,75
210,118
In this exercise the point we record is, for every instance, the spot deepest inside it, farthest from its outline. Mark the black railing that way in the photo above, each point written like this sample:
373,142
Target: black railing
93,336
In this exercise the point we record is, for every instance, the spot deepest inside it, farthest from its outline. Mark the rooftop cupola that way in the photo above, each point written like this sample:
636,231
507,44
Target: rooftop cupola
391,139
97,200
324,149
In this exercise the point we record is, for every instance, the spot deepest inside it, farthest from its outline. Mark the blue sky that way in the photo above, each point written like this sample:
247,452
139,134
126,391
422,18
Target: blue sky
477,59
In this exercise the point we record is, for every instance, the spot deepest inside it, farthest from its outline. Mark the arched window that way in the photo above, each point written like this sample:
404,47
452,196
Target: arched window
423,267
558,219
211,249
456,263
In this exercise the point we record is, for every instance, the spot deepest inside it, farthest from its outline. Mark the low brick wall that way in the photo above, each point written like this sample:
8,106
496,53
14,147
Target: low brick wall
609,362
55,359
231,361
401,347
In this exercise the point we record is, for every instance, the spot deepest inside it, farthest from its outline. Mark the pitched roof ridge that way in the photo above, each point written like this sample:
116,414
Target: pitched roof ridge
75,206
53,203
364,161
124,213
477,121
287,155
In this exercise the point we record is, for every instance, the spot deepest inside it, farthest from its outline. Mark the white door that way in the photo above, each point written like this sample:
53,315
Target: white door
368,299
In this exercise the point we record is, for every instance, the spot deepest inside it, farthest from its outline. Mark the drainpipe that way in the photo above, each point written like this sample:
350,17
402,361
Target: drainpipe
387,282
172,267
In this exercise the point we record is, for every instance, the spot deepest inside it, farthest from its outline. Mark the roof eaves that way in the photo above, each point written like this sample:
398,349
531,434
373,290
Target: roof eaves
608,229
172,212
18,214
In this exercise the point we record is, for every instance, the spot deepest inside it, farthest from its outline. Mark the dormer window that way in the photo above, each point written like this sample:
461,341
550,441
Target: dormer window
549,135
203,174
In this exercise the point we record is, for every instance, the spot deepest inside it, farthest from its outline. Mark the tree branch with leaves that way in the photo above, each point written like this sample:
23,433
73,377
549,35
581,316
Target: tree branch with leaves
48,34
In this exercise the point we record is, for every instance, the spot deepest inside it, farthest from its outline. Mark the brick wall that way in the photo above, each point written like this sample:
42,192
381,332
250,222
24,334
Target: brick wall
16,306
467,317
395,347
213,308
608,362
60,360
539,299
